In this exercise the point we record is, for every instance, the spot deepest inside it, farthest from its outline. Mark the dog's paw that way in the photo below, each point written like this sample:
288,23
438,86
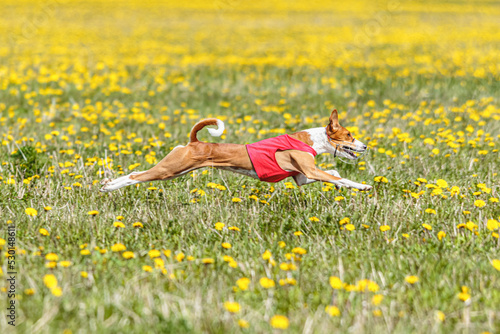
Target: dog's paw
105,181
366,187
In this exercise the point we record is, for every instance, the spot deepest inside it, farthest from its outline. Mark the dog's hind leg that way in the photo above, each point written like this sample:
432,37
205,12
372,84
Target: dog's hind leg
175,164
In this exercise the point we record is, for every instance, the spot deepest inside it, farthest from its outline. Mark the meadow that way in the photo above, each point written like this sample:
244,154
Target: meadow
97,89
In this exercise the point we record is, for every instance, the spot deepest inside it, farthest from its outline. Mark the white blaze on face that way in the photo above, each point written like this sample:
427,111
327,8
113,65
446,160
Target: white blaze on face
359,146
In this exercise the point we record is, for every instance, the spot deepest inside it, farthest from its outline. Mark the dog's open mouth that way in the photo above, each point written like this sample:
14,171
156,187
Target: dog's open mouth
355,154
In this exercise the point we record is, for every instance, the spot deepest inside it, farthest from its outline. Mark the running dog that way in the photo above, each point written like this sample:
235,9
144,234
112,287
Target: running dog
269,160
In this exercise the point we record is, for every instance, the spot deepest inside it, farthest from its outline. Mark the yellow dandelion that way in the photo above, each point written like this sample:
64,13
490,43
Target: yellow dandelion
350,227
118,247
31,212
243,283
411,279
236,200
137,225
279,322
128,255
427,227
85,252
335,282
44,232
50,281
314,219
243,323
377,299
219,226
154,253
299,250
441,235
93,213
56,291
147,268
119,225
479,203
207,260
51,257
267,283
332,311
232,307
226,245
65,264
385,228
496,264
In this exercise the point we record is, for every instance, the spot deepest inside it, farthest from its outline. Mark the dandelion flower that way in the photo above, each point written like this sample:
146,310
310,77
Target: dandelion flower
332,311
479,203
154,253
381,179
207,260
65,264
50,281
128,255
243,323
314,219
427,227
93,213
299,250
464,294
377,299
385,228
44,232
232,307
442,183
243,283
51,257
56,291
335,282
411,279
267,283
119,225
350,227
118,247
85,252
496,264
226,245
31,212
236,200
279,322
441,235
219,226
147,268
137,225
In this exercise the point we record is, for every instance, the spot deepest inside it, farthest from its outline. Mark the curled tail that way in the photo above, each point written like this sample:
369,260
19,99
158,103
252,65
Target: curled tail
201,124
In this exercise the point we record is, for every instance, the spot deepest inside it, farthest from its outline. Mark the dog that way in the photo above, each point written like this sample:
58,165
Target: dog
269,160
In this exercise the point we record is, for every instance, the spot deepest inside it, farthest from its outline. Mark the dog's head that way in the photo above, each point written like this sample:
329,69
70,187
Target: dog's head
342,142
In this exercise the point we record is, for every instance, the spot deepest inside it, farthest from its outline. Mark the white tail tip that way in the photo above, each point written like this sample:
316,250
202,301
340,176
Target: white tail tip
219,131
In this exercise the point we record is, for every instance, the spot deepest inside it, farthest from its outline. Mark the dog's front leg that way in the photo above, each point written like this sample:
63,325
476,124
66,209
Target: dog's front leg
301,179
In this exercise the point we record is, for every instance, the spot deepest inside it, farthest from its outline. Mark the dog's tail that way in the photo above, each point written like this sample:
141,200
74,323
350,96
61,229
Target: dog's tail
201,124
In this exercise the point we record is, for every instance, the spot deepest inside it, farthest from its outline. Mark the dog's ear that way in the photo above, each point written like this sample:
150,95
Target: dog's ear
334,121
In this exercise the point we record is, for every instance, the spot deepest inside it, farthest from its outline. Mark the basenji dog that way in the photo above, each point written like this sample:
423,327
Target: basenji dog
269,160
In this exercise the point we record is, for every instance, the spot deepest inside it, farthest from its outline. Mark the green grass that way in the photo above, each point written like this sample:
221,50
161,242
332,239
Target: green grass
383,108
118,296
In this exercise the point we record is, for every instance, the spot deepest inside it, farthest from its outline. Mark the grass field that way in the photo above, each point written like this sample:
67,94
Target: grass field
95,89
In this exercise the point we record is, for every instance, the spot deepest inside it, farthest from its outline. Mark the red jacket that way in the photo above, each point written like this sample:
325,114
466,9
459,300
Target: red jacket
262,155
